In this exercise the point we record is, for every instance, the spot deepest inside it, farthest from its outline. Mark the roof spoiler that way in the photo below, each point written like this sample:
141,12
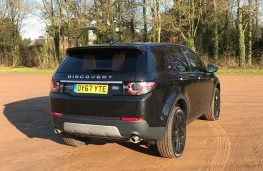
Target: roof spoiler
69,50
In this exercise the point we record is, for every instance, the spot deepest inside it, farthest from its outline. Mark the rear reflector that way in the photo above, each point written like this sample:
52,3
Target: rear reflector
131,119
56,114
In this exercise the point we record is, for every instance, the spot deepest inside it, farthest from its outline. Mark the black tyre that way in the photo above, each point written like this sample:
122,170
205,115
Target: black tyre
172,145
214,111
75,140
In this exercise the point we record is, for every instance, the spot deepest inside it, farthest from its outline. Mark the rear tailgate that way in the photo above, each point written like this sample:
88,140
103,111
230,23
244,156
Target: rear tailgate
111,104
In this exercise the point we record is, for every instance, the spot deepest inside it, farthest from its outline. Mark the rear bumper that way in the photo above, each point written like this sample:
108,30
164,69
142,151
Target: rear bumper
107,127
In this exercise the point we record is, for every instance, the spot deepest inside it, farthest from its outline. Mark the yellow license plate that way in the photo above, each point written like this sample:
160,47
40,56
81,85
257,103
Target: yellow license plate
91,88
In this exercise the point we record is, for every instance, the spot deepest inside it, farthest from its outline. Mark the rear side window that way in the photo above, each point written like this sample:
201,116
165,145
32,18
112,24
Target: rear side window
175,60
100,60
158,58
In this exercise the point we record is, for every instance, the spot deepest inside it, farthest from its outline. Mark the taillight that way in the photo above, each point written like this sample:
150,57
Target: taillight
56,87
138,88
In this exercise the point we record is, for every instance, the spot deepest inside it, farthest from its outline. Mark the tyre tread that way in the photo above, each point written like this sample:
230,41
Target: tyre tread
210,116
164,145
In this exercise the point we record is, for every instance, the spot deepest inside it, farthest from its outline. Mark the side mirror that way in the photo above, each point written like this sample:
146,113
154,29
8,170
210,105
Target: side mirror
211,68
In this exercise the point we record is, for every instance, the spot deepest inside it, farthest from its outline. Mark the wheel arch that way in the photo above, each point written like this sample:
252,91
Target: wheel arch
181,102
218,86
217,83
183,105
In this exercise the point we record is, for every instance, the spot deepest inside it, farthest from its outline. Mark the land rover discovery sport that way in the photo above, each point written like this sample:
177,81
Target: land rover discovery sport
133,92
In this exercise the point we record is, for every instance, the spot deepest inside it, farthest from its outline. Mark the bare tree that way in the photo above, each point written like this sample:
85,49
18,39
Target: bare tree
215,43
145,28
241,34
184,18
15,11
250,28
54,21
156,20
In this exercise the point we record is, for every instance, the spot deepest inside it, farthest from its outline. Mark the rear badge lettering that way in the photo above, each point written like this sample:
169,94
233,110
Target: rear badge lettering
91,77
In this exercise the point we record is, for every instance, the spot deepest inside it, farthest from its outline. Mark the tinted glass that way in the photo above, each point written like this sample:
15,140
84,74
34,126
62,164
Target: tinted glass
100,60
195,63
176,61
173,56
158,58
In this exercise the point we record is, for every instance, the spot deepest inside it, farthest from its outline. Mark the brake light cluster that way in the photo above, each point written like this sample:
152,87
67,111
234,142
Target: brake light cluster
56,87
138,88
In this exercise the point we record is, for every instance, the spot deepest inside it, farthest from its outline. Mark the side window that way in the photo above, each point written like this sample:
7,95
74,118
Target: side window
195,63
158,60
176,61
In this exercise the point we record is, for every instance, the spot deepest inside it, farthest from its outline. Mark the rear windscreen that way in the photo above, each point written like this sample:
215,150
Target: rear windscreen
100,60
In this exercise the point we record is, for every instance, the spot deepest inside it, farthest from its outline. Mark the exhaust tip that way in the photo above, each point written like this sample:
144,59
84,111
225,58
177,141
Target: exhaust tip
57,131
135,139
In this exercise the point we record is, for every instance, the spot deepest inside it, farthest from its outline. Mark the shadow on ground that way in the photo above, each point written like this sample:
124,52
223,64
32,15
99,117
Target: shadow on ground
150,150
32,118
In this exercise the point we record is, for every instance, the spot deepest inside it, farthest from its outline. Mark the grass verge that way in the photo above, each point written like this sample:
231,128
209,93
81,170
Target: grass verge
240,71
26,70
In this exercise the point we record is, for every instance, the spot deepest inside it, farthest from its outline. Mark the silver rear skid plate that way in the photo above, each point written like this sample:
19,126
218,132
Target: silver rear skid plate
92,130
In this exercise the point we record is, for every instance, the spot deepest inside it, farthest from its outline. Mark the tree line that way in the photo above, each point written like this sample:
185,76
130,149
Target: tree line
225,32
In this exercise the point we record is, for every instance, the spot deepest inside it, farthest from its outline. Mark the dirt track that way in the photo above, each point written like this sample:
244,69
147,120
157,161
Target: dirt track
27,141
